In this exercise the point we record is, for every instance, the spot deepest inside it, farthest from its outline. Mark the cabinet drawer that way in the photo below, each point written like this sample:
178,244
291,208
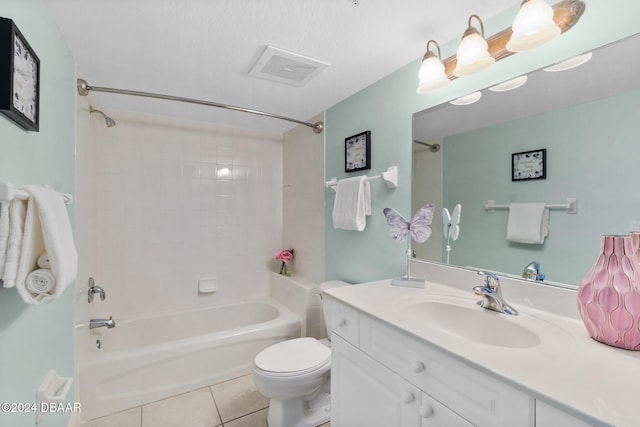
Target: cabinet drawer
435,414
344,321
474,395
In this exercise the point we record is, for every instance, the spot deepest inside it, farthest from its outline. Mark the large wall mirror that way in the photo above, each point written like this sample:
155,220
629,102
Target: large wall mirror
586,118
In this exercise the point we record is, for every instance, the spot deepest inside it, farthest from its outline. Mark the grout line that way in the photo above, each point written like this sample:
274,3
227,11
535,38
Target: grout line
215,404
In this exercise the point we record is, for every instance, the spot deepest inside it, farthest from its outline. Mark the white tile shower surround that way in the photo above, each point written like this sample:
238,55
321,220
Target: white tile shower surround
175,201
233,403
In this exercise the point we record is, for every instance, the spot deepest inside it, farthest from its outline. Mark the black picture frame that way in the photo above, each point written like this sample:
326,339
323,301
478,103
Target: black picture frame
529,165
357,152
18,61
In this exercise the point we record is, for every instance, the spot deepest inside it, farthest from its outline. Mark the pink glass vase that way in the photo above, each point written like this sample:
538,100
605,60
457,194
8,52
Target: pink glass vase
609,294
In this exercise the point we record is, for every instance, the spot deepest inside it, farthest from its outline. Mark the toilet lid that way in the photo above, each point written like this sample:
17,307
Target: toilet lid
293,356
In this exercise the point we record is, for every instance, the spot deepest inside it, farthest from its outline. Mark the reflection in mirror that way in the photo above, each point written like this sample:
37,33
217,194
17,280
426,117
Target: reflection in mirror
587,118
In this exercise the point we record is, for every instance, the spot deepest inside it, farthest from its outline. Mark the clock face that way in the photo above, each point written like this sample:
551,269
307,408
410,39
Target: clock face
25,81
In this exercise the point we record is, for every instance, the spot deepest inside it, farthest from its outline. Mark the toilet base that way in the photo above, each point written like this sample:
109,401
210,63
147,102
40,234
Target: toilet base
300,412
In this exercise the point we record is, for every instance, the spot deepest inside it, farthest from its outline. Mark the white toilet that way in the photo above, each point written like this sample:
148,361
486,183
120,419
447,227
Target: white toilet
294,374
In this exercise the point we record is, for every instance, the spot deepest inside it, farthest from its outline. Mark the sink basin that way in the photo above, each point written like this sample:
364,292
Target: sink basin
461,317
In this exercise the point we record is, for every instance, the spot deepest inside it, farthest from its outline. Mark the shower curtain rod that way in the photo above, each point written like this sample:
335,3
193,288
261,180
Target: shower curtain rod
84,88
432,147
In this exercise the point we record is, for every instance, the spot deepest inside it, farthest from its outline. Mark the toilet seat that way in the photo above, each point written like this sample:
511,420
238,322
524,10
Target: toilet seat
293,357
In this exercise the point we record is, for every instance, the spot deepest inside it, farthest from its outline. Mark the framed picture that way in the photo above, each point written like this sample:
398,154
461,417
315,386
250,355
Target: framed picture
19,77
529,165
357,152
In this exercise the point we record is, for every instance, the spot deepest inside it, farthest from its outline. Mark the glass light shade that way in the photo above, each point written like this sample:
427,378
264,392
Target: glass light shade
533,26
431,75
509,84
570,63
473,55
467,99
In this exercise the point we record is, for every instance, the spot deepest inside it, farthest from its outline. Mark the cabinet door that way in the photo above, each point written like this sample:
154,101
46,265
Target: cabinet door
365,393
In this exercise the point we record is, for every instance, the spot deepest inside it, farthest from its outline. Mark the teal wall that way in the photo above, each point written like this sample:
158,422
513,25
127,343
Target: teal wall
34,339
386,107
592,154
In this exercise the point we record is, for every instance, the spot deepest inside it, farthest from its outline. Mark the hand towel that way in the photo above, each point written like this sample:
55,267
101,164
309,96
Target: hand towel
40,281
17,213
528,223
47,228
43,261
352,204
4,234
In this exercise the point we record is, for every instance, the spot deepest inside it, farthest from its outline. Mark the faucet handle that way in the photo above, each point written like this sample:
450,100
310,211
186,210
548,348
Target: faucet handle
488,277
94,289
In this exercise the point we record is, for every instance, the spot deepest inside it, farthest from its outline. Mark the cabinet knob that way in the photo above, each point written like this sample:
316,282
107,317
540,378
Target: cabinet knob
417,366
426,411
407,397
342,322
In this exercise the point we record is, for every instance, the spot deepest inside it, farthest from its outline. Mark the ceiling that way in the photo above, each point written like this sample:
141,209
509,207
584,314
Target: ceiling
204,49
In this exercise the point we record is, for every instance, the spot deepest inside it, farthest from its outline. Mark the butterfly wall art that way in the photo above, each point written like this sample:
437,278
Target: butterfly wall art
418,227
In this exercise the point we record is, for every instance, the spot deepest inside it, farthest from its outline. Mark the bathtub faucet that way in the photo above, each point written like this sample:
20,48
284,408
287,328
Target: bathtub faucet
98,323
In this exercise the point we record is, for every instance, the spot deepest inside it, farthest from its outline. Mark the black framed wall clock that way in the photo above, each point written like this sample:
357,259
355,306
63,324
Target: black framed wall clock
357,152
19,77
529,165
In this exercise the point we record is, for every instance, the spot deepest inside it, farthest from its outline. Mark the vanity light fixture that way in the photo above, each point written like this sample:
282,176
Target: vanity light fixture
533,26
467,99
473,51
509,84
431,74
524,34
570,63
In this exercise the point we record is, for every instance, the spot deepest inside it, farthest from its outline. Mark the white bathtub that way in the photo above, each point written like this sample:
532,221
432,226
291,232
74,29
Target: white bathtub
148,359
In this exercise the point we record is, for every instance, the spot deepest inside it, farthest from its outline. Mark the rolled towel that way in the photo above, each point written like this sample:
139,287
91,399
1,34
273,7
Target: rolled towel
43,261
40,281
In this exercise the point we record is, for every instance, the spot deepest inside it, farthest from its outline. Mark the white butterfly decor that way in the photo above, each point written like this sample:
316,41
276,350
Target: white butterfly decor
451,226
451,223
418,226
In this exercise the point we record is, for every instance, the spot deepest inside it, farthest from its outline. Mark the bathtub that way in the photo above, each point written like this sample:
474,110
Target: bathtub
144,360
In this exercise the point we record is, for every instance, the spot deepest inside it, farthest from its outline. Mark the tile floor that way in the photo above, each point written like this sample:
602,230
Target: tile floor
233,403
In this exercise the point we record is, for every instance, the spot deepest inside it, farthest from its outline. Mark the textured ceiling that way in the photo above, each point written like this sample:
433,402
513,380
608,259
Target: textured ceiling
205,48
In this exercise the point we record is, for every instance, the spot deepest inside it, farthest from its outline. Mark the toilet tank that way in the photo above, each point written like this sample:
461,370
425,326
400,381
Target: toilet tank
325,307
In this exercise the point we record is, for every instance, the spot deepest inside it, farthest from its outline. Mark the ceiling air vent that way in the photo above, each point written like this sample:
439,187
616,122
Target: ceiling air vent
286,67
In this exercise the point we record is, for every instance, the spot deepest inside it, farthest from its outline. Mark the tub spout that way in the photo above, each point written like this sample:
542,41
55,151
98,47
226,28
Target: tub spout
98,323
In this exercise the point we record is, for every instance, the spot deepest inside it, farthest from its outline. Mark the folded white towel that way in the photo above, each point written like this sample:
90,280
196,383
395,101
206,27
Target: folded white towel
352,204
4,234
40,281
17,212
47,228
528,223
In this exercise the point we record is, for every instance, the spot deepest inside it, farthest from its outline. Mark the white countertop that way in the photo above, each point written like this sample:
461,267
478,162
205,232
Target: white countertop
567,368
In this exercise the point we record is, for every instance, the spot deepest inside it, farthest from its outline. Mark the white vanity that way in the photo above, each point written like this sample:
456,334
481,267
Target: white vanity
432,357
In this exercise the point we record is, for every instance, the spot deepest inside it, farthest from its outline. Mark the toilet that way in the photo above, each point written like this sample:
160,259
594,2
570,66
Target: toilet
294,375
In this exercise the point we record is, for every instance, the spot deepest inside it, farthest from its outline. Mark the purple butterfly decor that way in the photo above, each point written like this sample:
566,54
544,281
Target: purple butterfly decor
418,227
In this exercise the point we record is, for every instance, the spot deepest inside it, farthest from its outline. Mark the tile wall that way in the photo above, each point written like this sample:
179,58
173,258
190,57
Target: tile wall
172,201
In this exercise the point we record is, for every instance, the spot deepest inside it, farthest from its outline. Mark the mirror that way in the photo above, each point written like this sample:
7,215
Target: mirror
588,120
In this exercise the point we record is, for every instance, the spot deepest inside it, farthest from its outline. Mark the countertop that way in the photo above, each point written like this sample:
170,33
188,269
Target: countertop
567,368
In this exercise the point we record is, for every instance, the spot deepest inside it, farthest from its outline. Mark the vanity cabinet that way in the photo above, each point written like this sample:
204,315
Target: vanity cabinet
382,376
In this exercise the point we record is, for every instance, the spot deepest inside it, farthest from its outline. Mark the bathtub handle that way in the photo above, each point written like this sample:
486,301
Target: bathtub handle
94,289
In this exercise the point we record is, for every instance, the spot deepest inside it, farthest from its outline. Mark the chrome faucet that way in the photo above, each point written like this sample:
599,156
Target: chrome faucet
492,295
99,323
532,272
95,289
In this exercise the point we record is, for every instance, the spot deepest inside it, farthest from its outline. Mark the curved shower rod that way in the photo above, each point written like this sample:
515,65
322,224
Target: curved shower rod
84,88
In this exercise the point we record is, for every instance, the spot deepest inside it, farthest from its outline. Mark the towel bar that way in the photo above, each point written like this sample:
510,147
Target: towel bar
571,206
8,193
390,177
